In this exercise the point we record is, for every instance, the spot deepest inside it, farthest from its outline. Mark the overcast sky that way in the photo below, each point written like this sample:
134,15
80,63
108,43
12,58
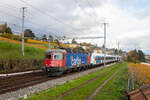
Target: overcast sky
128,20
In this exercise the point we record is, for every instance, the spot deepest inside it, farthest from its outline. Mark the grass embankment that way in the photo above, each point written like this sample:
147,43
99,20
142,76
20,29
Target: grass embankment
86,90
10,50
19,42
53,93
114,89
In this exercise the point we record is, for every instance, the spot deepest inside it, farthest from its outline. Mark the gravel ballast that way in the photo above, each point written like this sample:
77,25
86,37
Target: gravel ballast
23,93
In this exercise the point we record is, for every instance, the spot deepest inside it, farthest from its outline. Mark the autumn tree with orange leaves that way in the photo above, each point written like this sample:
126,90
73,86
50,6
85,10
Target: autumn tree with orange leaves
136,56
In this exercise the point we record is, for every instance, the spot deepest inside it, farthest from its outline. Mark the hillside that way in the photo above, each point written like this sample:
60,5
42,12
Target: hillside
10,50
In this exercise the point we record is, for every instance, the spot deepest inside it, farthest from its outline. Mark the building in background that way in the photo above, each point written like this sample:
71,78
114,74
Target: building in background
72,45
147,58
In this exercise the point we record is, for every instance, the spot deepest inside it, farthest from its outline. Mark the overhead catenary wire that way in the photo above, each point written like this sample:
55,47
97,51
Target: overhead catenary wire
7,6
47,14
30,22
37,24
39,12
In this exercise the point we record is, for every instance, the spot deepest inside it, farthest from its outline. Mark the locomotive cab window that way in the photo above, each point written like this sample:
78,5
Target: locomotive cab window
58,56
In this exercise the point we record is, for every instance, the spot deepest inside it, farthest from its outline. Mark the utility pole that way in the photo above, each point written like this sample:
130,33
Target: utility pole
49,41
49,44
118,51
105,43
23,8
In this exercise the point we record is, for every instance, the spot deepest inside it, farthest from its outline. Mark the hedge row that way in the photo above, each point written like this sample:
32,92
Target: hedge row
13,37
8,66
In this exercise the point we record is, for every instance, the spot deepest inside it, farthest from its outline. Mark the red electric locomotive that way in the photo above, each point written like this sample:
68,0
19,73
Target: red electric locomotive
55,61
61,60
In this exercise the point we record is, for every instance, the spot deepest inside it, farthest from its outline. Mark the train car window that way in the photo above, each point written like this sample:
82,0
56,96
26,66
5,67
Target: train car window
71,57
82,58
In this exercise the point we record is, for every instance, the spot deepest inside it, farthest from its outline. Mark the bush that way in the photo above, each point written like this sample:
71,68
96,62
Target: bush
12,36
13,65
141,72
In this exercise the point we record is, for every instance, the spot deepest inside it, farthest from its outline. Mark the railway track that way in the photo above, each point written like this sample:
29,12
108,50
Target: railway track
13,83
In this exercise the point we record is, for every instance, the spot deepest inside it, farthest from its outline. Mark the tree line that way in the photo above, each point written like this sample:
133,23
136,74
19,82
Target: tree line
136,56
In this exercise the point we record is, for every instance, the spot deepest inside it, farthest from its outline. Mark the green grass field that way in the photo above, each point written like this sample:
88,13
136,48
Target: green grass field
86,90
13,51
82,93
114,89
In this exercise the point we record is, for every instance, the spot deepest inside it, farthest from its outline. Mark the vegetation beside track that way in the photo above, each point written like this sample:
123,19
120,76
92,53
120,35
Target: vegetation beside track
53,93
141,75
85,91
13,51
115,88
11,59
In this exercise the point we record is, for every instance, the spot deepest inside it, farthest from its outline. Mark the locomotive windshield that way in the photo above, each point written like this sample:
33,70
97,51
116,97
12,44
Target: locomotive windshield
58,56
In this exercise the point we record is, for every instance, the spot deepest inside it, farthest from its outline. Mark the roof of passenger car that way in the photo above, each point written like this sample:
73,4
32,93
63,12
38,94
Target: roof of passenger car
56,50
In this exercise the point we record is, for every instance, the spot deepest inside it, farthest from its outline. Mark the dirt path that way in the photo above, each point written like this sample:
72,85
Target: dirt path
81,85
101,86
19,42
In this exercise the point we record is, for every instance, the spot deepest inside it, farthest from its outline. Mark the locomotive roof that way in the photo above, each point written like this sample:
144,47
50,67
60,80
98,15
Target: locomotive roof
56,50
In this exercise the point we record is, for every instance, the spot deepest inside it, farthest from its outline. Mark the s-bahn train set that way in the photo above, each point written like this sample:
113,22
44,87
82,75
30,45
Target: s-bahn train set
62,60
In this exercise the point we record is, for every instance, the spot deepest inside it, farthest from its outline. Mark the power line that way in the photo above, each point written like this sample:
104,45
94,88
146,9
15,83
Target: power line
10,15
39,10
7,6
83,37
18,18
